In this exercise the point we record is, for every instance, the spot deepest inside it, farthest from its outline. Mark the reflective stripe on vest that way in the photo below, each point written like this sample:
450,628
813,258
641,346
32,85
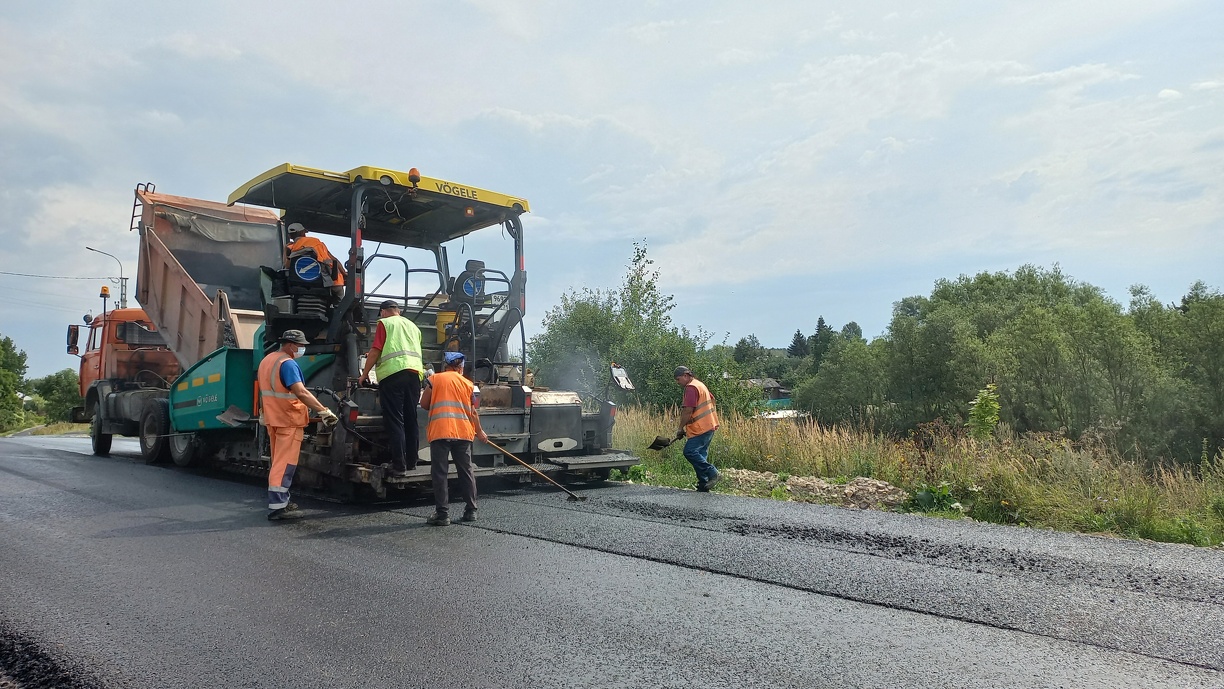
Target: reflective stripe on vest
278,406
402,348
705,418
450,408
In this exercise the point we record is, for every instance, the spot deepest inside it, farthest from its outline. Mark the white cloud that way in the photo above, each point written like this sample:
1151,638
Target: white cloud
1072,79
844,137
199,48
653,32
741,56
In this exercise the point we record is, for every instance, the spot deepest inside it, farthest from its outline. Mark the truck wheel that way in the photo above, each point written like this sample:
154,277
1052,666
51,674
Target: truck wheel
101,441
154,426
185,450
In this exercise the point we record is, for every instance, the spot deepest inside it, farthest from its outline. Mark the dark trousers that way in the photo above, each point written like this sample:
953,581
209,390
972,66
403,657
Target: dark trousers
400,392
461,452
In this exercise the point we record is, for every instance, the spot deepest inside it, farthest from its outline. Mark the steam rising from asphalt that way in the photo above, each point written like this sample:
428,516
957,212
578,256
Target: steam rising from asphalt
580,371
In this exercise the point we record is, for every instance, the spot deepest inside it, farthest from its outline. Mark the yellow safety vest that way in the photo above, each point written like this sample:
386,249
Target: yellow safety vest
402,348
704,418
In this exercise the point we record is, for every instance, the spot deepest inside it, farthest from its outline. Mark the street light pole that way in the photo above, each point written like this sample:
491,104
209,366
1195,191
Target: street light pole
122,280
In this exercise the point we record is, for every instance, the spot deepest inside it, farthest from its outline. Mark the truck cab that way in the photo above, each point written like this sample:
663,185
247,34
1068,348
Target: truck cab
123,352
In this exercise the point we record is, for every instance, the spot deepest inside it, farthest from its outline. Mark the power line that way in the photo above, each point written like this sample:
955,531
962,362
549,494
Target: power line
56,277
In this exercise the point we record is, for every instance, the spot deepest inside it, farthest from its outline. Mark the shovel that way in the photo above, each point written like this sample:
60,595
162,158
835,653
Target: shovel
573,497
662,441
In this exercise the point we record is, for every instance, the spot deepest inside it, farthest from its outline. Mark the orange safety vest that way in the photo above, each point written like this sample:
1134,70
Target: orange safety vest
321,253
450,408
704,418
278,406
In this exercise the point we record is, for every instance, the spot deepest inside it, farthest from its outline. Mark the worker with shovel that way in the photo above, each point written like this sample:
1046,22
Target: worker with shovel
453,423
698,421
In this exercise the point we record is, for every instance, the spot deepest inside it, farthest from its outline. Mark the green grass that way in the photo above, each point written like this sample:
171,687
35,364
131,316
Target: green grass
1037,480
61,429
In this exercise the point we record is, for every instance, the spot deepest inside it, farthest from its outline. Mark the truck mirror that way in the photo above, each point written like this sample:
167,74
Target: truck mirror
74,335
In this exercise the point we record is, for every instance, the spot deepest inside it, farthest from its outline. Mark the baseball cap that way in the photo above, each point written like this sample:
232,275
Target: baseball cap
680,371
295,336
452,357
389,304
297,228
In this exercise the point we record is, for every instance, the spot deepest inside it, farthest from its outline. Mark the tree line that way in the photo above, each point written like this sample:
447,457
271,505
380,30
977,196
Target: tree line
1146,379
27,402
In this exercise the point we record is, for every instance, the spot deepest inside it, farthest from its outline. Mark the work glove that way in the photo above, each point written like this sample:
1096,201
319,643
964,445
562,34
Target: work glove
680,434
329,418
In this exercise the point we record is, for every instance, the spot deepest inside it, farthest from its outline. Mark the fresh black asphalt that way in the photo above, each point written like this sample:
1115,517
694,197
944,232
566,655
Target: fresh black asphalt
118,574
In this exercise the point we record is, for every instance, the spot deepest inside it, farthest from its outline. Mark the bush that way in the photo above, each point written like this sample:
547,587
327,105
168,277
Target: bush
984,413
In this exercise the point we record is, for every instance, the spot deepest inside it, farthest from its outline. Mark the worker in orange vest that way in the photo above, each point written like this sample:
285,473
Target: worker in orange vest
698,421
284,403
298,241
453,423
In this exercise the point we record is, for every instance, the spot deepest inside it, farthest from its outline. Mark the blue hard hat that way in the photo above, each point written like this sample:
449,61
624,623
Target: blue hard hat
452,357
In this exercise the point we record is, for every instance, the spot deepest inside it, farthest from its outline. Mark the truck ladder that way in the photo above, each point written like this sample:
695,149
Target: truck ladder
147,187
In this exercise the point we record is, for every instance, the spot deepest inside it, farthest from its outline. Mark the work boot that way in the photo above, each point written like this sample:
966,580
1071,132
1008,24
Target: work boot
469,515
290,511
713,482
438,519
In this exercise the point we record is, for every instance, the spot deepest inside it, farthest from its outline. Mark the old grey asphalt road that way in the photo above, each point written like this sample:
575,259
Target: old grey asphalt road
129,575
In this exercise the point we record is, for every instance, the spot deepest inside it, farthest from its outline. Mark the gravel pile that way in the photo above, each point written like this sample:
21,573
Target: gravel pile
863,493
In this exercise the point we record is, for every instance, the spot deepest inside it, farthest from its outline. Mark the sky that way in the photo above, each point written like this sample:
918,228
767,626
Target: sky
781,161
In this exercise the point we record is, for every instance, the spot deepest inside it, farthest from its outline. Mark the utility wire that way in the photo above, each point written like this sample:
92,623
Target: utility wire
56,277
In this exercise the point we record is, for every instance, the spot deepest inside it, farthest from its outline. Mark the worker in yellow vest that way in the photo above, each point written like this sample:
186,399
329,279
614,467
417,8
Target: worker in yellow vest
396,357
698,421
453,424
284,404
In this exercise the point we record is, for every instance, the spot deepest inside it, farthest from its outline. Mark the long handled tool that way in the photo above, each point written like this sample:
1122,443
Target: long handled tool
662,441
573,497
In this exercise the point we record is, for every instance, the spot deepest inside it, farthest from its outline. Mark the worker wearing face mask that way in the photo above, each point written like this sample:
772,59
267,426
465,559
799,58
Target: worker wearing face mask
285,406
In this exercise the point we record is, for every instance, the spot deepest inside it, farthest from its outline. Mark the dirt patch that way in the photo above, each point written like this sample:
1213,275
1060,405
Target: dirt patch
863,493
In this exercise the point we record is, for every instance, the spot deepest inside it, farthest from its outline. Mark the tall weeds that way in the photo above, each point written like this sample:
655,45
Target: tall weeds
1041,480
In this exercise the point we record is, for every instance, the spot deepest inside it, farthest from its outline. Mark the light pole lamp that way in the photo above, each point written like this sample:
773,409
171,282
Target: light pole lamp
122,280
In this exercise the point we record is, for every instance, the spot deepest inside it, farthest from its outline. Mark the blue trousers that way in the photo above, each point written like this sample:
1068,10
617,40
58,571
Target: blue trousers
696,451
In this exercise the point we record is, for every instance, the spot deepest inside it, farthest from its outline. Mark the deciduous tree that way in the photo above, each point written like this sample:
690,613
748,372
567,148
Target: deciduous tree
60,392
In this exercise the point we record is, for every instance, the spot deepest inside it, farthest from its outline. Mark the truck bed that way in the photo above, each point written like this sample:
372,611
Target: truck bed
198,273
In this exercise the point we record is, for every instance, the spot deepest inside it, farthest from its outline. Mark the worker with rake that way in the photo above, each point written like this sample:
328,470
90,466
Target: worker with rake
453,424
